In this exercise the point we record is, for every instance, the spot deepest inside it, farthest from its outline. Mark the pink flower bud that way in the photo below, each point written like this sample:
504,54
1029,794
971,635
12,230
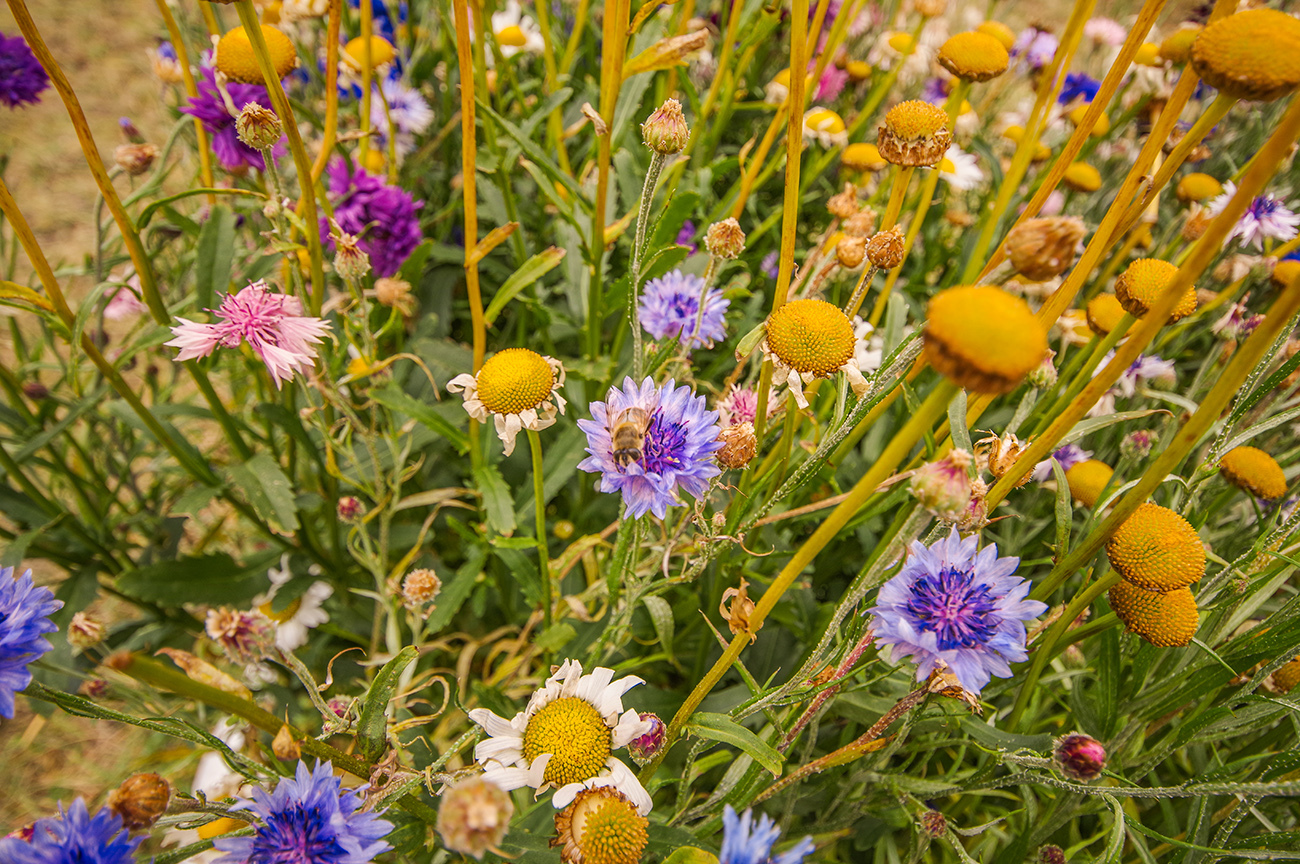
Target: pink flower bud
1080,757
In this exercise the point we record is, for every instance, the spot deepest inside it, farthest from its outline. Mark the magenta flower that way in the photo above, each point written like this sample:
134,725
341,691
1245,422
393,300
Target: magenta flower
211,110
21,77
272,324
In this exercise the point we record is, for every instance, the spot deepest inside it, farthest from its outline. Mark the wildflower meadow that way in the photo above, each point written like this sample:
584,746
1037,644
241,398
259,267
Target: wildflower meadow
698,432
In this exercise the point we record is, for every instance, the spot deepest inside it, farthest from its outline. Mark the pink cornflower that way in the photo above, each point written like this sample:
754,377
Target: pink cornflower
272,324
1105,31
832,82
125,301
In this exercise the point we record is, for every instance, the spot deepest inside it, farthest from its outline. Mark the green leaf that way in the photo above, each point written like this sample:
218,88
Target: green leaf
395,398
268,489
720,727
1064,511
691,855
1092,424
162,203
957,422
497,503
214,579
661,616
555,637
372,726
16,550
676,212
457,590
215,255
536,155
528,273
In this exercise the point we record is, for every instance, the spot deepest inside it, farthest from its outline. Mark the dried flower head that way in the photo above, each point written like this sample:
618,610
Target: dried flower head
860,224
234,56
1166,620
1252,470
84,631
914,133
395,294
725,239
140,800
983,338
1043,248
1141,284
885,249
420,589
739,445
974,56
999,455
1156,549
136,159
474,816
246,636
601,826
1250,55
843,204
735,608
850,252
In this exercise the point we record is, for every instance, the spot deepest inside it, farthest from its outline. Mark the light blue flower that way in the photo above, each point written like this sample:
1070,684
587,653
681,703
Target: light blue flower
955,603
670,306
24,619
743,842
73,837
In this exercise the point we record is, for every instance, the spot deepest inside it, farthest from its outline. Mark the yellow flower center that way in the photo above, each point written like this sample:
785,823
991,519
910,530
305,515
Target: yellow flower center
1177,47
1148,54
512,36
1141,284
515,380
946,164
217,827
1000,32
974,56
1088,479
608,830
285,614
1254,471
1251,55
811,336
983,338
381,52
574,733
1100,126
862,157
903,43
1166,620
859,70
824,120
1198,187
915,119
1156,549
236,60
1104,313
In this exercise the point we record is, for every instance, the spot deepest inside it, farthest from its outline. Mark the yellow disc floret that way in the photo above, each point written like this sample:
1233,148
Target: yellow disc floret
1000,32
1252,470
601,826
1100,126
1083,177
515,380
1104,313
573,732
1157,549
811,336
859,70
381,52
901,42
235,58
1197,187
1088,479
1140,286
974,56
914,133
1166,620
1250,55
1288,676
983,338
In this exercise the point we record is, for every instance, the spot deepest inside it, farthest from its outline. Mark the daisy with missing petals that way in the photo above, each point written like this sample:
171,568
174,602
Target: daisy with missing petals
519,388
955,604
565,739
808,339
1266,218
961,170
652,443
299,615
272,324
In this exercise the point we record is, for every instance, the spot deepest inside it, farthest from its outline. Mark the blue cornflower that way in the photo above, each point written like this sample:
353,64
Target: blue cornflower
1078,84
935,91
681,435
954,603
73,837
743,842
686,236
1069,456
307,820
670,306
24,619
21,77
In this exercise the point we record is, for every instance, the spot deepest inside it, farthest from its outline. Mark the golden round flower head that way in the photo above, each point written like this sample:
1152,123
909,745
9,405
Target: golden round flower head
1252,470
1100,126
1141,284
1197,187
1250,55
1088,479
914,133
1285,273
998,31
811,336
601,826
515,380
983,338
236,61
974,56
1017,134
1157,549
859,70
825,126
861,156
1148,54
1082,177
381,52
572,730
1104,312
902,42
1177,46
1165,620
1288,676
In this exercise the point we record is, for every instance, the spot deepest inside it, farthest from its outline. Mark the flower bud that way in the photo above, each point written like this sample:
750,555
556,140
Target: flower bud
284,746
933,823
1041,249
349,509
245,636
130,130
851,252
1080,757
665,131
1049,854
930,8
1045,375
258,127
563,529
885,250
140,800
350,260
93,688
977,512
36,391
474,816
943,487
420,589
395,294
1137,444
860,224
644,747
84,631
844,204
739,445
725,239
135,159
340,706
272,209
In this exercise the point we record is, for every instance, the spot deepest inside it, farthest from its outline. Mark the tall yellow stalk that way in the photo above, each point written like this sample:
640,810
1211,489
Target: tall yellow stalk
191,90
330,132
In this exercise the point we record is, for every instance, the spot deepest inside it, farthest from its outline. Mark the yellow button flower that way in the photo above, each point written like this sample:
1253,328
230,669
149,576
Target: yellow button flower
1252,470
861,156
1139,286
1000,32
1250,55
1156,549
235,58
1288,676
1082,177
381,52
1198,187
1088,479
1100,126
1148,54
1285,273
518,387
983,338
914,133
601,826
808,339
974,56
1166,620
1177,46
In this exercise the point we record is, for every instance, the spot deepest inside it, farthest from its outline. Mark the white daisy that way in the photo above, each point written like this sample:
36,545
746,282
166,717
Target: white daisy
869,351
302,614
566,738
516,31
520,388
960,169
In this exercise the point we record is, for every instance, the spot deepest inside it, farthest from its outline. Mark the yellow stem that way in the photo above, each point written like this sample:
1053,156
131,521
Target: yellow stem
330,132
367,27
191,89
468,171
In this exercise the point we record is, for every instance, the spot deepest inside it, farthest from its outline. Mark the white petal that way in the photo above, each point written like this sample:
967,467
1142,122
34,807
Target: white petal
494,725
625,781
507,751
630,726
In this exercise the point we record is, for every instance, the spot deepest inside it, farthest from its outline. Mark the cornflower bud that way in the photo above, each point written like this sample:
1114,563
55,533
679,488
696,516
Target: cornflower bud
140,800
1080,757
135,159
1045,375
665,131
258,127
725,239
1049,854
350,260
944,486
84,631
644,747
933,823
244,636
474,816
1137,444
420,589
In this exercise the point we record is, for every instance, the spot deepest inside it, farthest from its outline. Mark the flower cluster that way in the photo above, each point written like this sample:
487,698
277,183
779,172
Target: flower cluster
384,218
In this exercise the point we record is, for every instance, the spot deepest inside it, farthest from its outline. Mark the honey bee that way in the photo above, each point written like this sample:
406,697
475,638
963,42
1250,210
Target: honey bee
628,435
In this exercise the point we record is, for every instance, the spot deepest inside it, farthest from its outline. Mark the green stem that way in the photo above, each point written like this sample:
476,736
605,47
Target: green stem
638,251
539,509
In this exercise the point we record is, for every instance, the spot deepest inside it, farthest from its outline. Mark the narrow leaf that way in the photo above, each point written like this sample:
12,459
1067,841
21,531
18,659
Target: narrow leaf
372,726
720,727
528,273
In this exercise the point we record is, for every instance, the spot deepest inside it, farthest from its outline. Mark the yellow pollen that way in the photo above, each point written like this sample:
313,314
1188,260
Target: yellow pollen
915,119
811,336
285,614
1104,313
576,736
515,380
610,831
1156,549
1250,55
235,58
1139,286
1254,471
512,36
983,338
974,56
1000,32
381,52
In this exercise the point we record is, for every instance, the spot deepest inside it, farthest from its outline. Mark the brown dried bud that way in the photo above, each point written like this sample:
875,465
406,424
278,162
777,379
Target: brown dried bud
258,127
665,131
140,800
474,816
395,294
350,261
725,239
737,614
245,636
885,250
738,445
284,746
1000,454
420,589
851,251
1041,249
84,631
135,159
1196,224
844,204
860,224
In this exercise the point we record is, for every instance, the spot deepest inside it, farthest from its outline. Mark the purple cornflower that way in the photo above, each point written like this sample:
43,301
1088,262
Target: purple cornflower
769,264
935,91
1238,322
670,306
1069,456
308,819
73,837
272,324
1038,47
1078,85
744,842
959,605
686,236
21,77
741,406
680,439
1266,217
1105,31
25,613
211,110
383,217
